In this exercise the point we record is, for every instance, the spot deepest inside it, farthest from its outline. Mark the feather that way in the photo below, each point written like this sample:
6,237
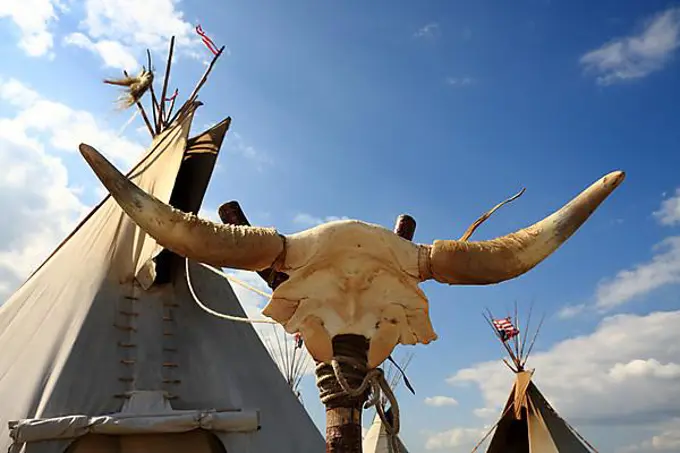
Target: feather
136,87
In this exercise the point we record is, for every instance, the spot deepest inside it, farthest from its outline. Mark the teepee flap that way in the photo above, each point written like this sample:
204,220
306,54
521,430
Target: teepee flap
560,432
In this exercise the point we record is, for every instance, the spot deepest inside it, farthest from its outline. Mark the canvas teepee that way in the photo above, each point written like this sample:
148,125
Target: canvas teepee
377,438
528,423
103,349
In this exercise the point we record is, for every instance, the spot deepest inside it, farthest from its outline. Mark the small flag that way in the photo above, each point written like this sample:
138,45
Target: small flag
206,40
298,341
505,329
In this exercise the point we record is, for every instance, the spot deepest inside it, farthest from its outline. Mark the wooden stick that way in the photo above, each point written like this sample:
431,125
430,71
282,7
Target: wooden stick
166,78
533,340
200,84
154,102
526,336
141,110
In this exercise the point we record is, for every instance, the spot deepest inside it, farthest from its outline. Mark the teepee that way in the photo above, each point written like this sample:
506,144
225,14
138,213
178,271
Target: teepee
528,423
378,438
103,348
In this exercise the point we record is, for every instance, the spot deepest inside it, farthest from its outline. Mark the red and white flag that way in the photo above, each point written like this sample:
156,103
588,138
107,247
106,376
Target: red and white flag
506,330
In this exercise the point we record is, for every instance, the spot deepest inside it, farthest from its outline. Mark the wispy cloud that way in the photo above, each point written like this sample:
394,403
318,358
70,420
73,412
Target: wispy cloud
309,220
663,269
114,54
236,144
667,439
440,401
460,81
430,30
34,20
571,311
669,212
453,438
638,55
116,32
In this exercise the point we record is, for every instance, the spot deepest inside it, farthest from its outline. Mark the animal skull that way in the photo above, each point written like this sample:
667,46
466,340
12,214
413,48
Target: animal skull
350,276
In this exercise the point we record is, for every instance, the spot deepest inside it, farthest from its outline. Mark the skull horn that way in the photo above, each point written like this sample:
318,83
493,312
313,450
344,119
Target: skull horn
507,257
236,247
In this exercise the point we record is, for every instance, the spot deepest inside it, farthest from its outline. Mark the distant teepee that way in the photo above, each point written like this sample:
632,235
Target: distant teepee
378,439
528,423
289,355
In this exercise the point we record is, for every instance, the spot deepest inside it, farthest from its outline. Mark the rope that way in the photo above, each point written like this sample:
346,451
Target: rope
228,277
373,380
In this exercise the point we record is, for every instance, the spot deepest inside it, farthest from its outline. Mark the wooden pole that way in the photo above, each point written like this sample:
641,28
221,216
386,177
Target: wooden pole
166,79
155,108
343,413
198,86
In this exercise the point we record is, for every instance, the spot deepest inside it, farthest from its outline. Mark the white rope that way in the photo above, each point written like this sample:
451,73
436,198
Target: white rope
227,277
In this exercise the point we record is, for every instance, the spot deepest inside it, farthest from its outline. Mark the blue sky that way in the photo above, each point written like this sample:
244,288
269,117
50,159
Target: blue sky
437,109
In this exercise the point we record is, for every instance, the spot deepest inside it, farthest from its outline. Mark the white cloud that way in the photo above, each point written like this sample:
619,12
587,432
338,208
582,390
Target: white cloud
453,438
644,368
427,31
33,18
669,212
636,56
236,144
439,401
136,26
584,377
667,439
114,54
309,220
663,269
460,81
62,127
571,311
40,203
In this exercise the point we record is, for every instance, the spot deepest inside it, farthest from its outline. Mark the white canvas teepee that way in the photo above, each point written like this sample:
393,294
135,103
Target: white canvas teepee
103,348
528,423
377,438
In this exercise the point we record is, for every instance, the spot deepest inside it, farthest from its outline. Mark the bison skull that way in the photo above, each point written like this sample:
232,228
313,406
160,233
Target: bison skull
351,277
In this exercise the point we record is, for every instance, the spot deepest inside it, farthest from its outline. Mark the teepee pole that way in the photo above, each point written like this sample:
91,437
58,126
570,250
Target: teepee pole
155,109
199,85
166,79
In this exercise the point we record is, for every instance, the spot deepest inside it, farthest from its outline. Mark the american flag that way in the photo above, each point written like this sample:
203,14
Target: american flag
505,328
